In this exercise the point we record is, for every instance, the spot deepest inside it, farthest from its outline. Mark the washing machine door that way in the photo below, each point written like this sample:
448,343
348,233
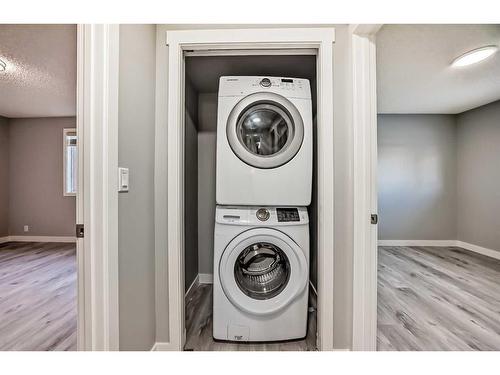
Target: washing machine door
262,270
265,130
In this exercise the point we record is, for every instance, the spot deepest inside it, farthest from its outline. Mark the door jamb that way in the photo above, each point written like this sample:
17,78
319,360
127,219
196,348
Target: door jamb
364,321
97,197
169,164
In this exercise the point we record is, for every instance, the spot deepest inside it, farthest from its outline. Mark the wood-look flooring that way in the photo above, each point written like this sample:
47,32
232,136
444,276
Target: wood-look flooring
38,296
199,327
437,298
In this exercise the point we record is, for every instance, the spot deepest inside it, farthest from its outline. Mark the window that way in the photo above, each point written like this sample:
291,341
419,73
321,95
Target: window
70,162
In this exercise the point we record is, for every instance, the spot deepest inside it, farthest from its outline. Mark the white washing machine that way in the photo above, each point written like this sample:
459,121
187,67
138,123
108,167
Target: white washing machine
264,141
261,273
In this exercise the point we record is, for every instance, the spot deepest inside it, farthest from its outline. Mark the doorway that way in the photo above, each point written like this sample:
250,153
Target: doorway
202,76
260,42
38,187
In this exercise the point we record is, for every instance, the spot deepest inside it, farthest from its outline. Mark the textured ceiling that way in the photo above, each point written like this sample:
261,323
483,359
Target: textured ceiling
414,73
40,79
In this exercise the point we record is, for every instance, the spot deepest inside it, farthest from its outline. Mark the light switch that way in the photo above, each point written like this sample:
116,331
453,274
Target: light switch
122,179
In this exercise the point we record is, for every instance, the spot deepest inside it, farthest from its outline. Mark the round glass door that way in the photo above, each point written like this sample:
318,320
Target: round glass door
262,271
265,129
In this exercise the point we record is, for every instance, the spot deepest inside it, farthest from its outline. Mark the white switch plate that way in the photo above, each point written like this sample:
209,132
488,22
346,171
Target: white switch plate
26,228
123,180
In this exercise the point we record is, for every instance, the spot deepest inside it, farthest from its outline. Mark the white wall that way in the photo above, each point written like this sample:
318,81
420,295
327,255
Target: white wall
417,177
479,176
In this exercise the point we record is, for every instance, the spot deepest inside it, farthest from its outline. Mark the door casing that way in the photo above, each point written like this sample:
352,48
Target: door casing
169,161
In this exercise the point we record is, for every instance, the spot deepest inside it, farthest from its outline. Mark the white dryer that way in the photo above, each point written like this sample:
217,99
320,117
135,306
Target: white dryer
264,141
261,273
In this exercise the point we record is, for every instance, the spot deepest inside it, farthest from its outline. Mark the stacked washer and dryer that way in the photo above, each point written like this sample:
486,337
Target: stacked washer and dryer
263,188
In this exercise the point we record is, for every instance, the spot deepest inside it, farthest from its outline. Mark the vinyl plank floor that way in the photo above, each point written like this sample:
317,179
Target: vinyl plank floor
38,297
437,298
199,327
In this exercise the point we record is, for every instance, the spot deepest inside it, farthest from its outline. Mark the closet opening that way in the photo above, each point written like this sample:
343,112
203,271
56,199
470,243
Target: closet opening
202,74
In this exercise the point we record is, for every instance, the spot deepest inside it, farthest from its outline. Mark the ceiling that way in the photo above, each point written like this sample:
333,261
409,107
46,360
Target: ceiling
204,71
40,78
414,73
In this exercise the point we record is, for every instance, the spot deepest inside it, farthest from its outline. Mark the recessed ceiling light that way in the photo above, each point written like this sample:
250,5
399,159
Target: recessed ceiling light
474,56
3,66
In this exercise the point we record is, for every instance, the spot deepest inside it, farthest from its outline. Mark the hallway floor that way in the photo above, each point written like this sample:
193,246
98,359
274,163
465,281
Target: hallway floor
38,296
437,298
199,327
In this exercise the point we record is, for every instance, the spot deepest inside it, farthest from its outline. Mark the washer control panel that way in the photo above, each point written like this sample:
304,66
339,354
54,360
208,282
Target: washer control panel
258,216
287,214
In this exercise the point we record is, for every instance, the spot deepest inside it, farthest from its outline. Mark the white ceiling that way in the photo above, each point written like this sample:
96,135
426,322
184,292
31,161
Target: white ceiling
40,79
414,73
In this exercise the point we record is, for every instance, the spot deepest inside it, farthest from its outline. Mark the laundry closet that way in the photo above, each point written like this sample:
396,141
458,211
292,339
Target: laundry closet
202,75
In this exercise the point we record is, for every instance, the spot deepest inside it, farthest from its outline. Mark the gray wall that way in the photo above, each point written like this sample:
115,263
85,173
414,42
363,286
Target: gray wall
417,177
343,230
136,208
207,141
343,189
4,174
191,187
206,200
36,178
479,176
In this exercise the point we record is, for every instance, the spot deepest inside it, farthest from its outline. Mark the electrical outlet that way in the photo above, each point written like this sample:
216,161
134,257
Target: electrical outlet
26,228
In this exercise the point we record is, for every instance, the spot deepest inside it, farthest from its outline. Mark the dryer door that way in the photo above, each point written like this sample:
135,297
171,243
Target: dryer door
265,130
262,270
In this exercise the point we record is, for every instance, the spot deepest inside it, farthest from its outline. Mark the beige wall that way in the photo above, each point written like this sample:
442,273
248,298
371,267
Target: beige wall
36,178
479,176
136,129
4,174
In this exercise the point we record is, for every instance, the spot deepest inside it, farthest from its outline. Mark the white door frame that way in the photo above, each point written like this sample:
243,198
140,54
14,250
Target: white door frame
364,320
169,163
97,197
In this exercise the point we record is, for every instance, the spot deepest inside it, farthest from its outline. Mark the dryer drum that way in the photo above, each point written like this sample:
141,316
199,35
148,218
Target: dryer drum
262,271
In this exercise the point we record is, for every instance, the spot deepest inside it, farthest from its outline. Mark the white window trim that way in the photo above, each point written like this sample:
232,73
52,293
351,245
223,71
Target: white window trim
65,134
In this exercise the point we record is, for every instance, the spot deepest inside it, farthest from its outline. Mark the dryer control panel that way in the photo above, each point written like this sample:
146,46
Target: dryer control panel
242,86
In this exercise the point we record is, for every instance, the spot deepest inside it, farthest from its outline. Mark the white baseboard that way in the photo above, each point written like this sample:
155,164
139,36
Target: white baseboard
206,278
195,282
4,239
478,249
417,243
464,245
40,239
163,347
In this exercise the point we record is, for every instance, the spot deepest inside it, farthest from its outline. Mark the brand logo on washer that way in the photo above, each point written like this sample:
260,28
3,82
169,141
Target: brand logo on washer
263,214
